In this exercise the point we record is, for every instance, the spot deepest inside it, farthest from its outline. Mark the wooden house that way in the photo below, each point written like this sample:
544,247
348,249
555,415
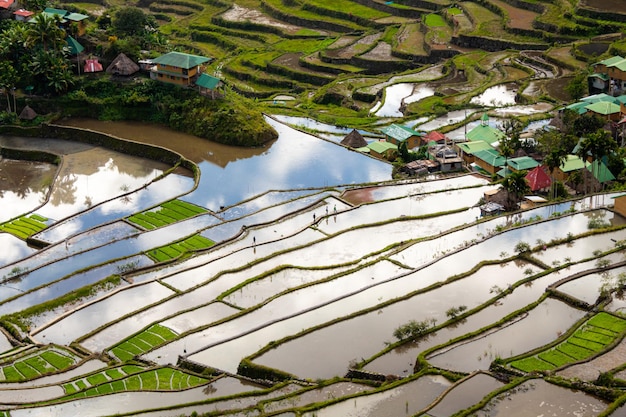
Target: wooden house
383,150
23,15
179,68
210,86
620,204
397,134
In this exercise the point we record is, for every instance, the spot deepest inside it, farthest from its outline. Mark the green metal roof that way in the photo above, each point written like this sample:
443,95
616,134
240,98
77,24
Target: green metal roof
604,77
75,47
620,65
181,60
597,98
621,99
207,81
400,133
50,10
610,61
604,107
572,163
490,156
522,163
76,17
381,146
472,147
600,171
578,107
485,133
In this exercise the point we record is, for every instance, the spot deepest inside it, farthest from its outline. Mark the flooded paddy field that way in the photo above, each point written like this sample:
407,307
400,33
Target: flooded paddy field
316,260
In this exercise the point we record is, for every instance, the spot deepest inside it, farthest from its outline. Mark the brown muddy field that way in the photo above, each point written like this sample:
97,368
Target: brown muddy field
242,14
519,18
618,6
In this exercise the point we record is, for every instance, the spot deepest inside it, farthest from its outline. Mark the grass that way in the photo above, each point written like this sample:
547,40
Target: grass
434,20
592,337
353,8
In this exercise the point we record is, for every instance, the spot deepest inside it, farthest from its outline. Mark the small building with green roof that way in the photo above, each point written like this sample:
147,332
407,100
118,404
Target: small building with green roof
606,109
523,163
209,86
571,164
467,150
383,149
398,134
489,159
484,132
179,68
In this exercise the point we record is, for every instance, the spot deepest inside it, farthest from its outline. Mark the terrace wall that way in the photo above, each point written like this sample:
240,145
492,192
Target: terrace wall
493,45
299,21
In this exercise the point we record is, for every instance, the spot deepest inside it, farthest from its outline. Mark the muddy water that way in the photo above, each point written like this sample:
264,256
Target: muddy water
540,398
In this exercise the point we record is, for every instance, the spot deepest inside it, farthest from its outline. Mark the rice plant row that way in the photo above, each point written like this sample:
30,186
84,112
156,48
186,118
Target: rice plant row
142,342
33,365
107,375
177,249
591,338
167,213
25,226
160,379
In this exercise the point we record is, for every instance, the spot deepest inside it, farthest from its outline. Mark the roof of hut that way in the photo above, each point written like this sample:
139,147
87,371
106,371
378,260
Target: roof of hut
122,65
354,140
28,113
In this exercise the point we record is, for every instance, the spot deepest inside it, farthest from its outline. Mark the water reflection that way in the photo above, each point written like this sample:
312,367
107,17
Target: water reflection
498,95
24,186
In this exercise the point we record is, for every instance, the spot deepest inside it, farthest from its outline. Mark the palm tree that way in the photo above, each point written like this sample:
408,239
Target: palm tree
553,160
8,79
516,186
46,33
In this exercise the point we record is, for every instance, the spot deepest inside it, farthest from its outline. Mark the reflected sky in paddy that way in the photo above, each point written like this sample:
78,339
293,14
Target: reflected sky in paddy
295,160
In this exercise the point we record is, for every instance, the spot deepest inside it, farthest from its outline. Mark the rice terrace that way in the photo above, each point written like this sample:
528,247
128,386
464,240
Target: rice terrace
357,208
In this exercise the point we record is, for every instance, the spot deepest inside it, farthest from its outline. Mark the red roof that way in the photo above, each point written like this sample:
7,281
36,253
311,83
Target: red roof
435,136
538,179
5,4
22,12
92,65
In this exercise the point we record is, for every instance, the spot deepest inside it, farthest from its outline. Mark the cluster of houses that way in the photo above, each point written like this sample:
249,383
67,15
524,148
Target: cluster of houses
175,67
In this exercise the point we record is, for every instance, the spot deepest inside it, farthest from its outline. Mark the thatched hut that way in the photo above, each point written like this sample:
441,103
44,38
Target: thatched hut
122,65
354,140
28,113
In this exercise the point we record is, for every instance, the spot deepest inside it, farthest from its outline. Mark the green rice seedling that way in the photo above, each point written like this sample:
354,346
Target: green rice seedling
69,388
531,364
96,379
587,344
131,369
59,360
577,352
26,370
595,337
148,380
105,389
11,374
555,357
165,332
118,386
114,373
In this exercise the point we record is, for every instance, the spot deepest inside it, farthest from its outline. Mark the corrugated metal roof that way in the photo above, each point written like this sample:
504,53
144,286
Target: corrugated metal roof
572,163
472,147
207,81
603,107
400,133
490,156
485,133
381,146
523,162
610,60
181,60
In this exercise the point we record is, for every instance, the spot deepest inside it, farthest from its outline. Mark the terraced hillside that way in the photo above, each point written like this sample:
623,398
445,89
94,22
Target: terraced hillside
274,48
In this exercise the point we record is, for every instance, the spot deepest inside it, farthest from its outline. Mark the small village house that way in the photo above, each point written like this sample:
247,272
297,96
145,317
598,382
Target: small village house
67,19
398,134
572,164
383,150
179,68
606,109
467,150
609,75
538,179
489,160
523,163
446,158
210,86
484,132
22,15
620,204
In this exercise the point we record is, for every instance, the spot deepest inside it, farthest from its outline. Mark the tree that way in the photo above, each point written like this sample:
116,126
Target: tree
516,186
45,32
577,87
8,79
130,21
553,160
